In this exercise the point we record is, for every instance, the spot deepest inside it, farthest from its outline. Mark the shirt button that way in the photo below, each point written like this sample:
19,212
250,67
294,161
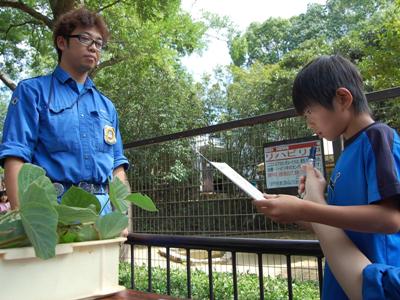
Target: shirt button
82,115
84,135
86,156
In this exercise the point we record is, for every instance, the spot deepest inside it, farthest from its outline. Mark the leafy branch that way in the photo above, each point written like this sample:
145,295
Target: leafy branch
29,10
107,6
7,81
35,22
104,64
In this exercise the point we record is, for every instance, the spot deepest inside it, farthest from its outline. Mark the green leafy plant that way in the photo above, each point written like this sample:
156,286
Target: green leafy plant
42,222
275,288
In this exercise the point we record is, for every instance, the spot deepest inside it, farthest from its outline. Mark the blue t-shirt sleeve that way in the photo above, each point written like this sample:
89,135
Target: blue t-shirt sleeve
382,163
21,124
381,282
119,157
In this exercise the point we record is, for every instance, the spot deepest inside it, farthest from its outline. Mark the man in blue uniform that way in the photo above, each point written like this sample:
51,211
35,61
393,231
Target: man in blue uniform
61,122
364,189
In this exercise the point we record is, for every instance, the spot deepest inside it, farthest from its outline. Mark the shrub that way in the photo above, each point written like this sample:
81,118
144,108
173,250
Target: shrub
274,288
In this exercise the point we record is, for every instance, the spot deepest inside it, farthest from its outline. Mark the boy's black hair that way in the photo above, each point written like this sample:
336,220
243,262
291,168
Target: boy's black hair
318,81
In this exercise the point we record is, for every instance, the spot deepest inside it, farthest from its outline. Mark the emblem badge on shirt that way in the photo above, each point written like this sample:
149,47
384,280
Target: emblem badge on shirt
332,182
14,100
109,135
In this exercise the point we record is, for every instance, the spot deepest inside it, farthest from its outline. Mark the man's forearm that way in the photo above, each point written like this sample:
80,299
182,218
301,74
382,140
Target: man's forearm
121,174
12,166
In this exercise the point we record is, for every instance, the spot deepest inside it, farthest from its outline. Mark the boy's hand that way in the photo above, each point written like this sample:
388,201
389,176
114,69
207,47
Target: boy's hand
302,185
313,184
281,208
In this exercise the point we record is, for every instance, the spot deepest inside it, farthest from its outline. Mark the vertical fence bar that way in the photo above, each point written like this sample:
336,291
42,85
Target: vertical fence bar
132,267
210,275
234,276
260,275
188,275
320,275
289,276
168,271
149,276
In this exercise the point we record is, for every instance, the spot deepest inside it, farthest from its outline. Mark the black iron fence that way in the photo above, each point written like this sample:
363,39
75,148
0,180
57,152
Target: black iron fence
258,247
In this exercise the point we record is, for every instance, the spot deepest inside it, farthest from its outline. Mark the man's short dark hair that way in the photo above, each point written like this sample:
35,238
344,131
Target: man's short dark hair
80,17
319,80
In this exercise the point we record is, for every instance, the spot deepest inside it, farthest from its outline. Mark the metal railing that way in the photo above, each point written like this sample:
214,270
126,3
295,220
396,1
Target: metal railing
288,248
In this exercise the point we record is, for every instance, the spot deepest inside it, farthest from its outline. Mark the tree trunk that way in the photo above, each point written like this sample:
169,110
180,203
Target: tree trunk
58,7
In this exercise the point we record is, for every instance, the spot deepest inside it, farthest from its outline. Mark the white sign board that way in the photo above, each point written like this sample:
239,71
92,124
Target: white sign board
283,161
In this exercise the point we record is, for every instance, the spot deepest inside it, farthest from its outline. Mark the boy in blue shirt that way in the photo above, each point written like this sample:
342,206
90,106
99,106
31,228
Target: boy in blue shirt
61,122
364,189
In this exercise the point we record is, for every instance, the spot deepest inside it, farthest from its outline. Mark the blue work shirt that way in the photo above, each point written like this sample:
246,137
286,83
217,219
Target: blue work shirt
72,134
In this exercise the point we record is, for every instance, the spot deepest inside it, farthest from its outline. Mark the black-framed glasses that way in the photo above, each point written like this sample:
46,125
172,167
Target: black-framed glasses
88,41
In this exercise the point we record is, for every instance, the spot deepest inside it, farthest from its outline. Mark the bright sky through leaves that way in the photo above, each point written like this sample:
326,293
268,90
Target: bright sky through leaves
241,13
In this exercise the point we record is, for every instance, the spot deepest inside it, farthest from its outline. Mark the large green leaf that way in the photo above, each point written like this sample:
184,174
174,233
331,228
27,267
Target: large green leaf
28,174
78,197
48,187
143,201
39,219
111,225
75,215
118,191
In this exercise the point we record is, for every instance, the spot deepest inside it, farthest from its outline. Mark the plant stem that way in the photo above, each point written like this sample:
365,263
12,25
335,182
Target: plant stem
11,242
104,206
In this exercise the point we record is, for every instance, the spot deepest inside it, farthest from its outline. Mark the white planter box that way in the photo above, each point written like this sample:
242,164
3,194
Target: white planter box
78,271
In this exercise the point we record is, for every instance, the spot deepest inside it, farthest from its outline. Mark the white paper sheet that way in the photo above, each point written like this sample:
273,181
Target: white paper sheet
237,179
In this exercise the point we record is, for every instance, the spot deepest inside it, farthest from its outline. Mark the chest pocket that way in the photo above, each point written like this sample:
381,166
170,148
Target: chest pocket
59,129
100,121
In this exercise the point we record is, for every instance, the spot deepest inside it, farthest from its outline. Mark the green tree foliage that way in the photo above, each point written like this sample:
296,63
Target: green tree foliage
212,91
3,109
270,41
381,59
267,56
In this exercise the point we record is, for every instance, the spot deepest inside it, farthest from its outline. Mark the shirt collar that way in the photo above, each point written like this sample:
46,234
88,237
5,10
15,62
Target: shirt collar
63,77
354,137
